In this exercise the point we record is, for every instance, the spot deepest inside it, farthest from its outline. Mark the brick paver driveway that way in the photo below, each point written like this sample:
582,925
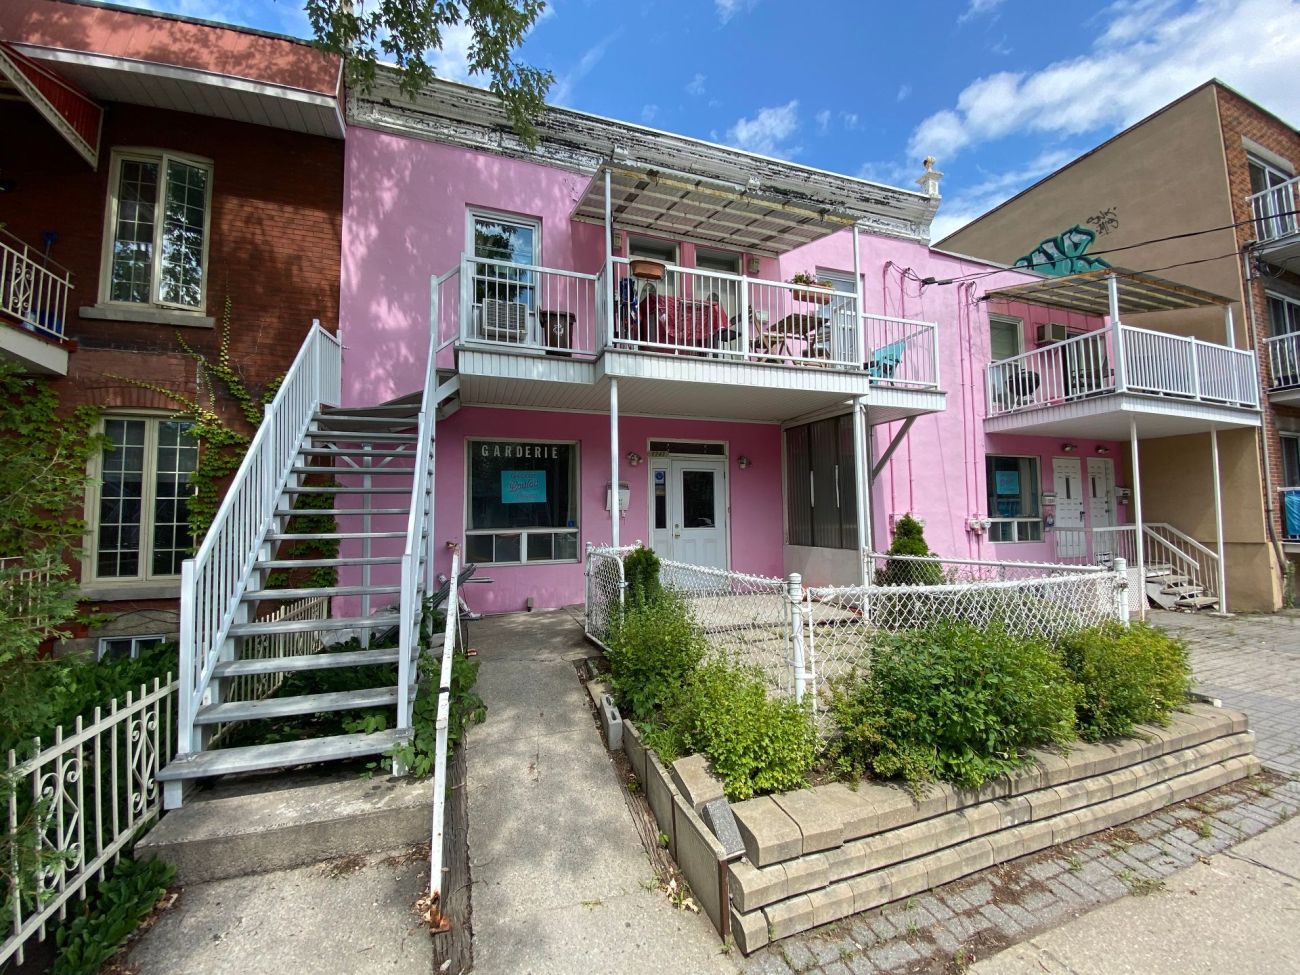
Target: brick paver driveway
1251,663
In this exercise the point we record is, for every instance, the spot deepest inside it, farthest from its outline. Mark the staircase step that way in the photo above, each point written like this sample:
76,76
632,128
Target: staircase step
1198,602
362,436
258,594
373,471
252,758
330,536
283,707
310,626
308,661
308,512
326,563
342,488
370,419
351,452
1182,590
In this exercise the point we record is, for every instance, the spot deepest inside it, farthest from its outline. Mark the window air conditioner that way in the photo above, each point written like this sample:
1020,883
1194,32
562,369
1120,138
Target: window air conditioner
504,321
1051,332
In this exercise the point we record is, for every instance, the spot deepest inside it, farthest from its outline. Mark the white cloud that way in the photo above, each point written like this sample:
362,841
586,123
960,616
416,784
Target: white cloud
904,92
768,131
850,120
1145,58
696,85
562,92
823,119
648,113
977,200
979,8
889,173
729,8
452,61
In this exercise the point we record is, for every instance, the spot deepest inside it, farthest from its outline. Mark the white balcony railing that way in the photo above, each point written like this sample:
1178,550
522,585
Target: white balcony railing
1284,361
1122,359
1275,211
33,289
687,311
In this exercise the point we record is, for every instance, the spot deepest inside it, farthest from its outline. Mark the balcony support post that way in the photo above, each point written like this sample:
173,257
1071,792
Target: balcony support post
861,477
610,312
1227,325
613,463
1139,544
1218,519
859,321
1121,366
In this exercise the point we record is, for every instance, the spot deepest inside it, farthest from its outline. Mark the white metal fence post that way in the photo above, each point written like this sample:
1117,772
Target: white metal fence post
1121,589
794,591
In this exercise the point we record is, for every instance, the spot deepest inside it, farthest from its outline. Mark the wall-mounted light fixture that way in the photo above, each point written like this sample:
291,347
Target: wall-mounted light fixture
634,458
744,463
1103,449
1069,448
752,266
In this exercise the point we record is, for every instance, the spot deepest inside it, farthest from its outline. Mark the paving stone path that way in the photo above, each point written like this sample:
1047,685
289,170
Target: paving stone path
950,927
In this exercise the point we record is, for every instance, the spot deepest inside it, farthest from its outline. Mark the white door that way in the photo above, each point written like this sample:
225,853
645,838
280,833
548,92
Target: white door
1101,506
1068,483
697,511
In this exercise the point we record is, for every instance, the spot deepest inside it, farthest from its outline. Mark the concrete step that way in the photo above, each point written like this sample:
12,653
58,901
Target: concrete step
1197,602
256,595
309,661
310,626
260,823
284,707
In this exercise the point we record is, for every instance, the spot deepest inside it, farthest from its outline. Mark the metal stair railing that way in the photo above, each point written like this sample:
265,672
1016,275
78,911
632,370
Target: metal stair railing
1198,562
213,581
437,891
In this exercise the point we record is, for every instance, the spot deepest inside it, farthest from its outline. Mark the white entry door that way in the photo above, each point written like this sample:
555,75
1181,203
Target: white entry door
1101,506
689,510
1068,482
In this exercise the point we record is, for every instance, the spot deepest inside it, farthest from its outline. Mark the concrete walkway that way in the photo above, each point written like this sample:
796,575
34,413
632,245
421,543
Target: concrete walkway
1238,912
561,882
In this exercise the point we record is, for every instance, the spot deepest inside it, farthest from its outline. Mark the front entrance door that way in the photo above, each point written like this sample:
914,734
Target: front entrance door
1101,507
1068,482
689,510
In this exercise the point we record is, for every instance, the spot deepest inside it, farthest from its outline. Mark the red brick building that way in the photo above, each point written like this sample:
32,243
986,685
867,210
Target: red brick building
154,169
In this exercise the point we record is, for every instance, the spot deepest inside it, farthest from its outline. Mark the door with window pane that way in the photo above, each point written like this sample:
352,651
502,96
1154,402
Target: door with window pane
505,286
698,507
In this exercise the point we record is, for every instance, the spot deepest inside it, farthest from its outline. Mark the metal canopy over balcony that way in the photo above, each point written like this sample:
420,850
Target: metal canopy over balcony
1090,292
709,211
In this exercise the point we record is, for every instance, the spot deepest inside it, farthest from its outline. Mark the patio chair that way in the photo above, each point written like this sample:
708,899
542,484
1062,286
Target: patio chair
884,361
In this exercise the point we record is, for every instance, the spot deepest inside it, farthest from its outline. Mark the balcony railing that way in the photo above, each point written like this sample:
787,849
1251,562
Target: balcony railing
1275,211
687,311
1284,361
1122,359
33,289
1290,499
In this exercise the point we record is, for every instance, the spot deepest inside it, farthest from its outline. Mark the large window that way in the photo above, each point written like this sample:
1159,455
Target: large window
1013,499
522,501
1274,208
140,510
1283,314
1004,338
505,290
821,493
157,236
1290,460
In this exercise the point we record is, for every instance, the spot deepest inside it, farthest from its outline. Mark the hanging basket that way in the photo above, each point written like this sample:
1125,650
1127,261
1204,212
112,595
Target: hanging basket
815,294
646,269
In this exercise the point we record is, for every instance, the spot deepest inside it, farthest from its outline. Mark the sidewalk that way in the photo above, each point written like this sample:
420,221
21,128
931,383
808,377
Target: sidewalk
1237,912
561,882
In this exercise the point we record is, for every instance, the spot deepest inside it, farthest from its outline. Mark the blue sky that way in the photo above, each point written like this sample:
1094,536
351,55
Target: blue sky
1002,92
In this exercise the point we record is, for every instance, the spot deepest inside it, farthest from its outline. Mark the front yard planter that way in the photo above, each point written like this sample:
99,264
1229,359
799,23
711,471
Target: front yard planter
817,855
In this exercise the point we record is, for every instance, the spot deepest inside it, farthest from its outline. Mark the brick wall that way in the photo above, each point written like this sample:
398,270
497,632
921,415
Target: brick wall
274,246
1240,119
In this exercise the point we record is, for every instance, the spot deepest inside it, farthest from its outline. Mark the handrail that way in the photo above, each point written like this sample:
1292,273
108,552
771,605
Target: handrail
1182,536
213,580
441,725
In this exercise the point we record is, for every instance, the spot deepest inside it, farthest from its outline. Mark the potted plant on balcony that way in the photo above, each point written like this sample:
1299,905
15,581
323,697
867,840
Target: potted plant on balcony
646,269
813,291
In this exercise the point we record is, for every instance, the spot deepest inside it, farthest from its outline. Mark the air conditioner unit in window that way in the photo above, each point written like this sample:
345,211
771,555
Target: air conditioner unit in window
1050,332
504,321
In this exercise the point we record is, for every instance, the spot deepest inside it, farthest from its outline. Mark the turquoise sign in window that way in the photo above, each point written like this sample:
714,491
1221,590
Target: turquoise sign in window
523,487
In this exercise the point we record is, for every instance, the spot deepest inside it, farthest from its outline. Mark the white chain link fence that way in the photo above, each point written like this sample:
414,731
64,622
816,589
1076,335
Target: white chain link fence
803,638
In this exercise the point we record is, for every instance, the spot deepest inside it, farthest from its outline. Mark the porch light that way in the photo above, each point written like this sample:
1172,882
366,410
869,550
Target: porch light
1069,448
744,463
633,458
1102,449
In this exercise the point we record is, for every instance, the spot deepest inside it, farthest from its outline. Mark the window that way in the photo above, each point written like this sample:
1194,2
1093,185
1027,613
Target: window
157,238
666,253
139,514
1004,338
1274,208
821,492
1283,314
523,502
720,261
1290,460
120,648
504,292
1013,499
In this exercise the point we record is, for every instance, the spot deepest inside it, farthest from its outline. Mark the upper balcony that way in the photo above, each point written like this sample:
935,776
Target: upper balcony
1277,224
1106,382
33,307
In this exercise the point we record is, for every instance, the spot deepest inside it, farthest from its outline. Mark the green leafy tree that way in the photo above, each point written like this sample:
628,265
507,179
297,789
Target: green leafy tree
406,31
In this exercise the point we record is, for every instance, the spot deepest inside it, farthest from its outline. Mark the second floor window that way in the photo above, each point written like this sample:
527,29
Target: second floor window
1004,338
1283,314
157,236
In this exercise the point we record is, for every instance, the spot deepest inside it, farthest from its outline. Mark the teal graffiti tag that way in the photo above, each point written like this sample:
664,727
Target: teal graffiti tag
1063,254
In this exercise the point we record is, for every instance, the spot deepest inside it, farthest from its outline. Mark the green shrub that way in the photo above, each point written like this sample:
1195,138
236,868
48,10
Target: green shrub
951,702
124,899
909,539
641,573
755,743
652,649
1128,675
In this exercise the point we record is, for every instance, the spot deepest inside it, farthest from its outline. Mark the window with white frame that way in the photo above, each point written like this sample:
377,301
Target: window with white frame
156,241
504,288
1290,460
521,501
1283,314
139,511
1013,499
1004,337
123,647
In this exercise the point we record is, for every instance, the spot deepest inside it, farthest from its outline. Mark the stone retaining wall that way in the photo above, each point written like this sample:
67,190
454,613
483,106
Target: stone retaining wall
820,854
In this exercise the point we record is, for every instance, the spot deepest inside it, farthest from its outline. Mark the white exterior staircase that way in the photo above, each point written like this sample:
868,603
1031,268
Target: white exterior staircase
1170,589
383,457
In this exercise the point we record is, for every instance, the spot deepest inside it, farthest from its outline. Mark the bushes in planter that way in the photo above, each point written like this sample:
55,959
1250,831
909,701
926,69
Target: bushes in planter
1127,675
653,647
952,702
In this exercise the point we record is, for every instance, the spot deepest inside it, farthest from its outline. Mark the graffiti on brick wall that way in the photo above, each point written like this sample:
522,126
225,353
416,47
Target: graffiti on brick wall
1066,253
